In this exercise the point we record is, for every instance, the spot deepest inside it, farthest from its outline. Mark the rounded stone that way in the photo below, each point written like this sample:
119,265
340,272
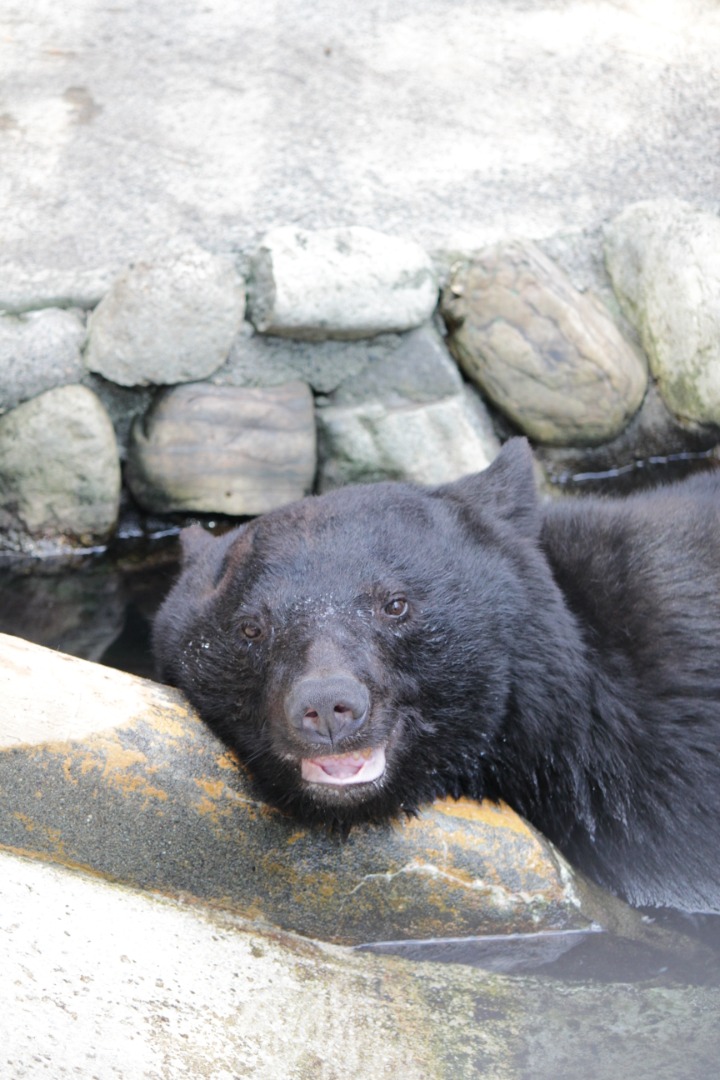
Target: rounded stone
59,467
224,449
348,282
38,351
663,257
551,358
167,319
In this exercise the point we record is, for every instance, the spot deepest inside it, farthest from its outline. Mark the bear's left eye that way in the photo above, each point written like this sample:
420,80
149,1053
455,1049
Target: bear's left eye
251,630
396,608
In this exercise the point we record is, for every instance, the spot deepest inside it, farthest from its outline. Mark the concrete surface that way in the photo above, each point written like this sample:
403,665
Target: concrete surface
111,984
102,983
450,123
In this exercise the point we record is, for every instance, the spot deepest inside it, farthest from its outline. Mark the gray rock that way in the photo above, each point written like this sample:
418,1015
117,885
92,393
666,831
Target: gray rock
104,981
663,258
429,443
39,351
124,405
412,368
168,318
59,469
262,360
551,358
405,415
415,364
224,449
339,283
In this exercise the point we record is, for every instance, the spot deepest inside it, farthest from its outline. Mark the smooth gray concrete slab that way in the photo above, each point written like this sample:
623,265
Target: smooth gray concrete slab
106,983
451,122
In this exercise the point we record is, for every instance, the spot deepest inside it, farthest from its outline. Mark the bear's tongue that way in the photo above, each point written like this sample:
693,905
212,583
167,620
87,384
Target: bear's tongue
358,767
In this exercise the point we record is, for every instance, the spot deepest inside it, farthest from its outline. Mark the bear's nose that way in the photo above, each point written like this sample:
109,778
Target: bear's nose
329,708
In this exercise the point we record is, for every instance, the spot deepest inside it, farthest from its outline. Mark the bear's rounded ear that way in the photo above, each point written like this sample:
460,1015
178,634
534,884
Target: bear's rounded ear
199,545
207,558
193,541
506,490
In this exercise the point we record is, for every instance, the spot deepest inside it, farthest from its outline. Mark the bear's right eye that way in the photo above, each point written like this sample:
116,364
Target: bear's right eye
396,608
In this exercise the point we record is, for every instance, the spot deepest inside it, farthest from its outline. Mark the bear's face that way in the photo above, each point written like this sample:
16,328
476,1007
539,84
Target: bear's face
335,644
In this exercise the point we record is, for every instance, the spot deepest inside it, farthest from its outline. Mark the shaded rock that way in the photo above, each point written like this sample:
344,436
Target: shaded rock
262,360
664,260
223,449
346,283
39,351
59,469
124,405
430,443
549,357
414,365
167,319
412,368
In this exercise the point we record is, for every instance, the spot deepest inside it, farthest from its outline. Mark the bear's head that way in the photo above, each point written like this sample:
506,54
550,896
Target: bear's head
357,649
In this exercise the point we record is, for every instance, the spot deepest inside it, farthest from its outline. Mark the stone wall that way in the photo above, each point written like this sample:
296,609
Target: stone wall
346,355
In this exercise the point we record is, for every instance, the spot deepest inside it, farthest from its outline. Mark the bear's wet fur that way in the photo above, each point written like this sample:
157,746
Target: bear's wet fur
470,640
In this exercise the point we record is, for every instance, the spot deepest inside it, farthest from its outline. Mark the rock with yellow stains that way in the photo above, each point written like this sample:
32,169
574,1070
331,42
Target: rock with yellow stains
115,774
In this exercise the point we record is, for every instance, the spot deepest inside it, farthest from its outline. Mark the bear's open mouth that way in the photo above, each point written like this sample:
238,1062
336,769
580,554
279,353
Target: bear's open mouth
357,767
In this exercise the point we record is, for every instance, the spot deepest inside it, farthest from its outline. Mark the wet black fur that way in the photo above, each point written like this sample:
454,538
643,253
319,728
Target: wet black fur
563,657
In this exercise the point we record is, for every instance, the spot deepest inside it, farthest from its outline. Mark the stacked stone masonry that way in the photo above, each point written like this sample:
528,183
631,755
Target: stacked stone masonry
347,355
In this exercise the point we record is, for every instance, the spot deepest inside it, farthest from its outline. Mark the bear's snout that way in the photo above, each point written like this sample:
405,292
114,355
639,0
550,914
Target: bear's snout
327,709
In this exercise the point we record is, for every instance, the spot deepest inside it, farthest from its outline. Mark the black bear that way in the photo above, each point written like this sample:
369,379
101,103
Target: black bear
368,650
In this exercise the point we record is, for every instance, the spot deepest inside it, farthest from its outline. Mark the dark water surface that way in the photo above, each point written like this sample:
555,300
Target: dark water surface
96,606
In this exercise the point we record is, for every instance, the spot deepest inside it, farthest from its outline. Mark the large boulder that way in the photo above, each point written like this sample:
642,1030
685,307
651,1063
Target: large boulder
169,318
339,283
81,745
59,468
550,357
223,449
106,981
663,257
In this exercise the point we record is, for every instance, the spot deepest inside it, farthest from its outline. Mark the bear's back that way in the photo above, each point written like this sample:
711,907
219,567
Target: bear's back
642,573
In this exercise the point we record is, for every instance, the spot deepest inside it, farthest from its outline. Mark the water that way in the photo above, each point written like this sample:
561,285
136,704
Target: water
637,474
95,606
